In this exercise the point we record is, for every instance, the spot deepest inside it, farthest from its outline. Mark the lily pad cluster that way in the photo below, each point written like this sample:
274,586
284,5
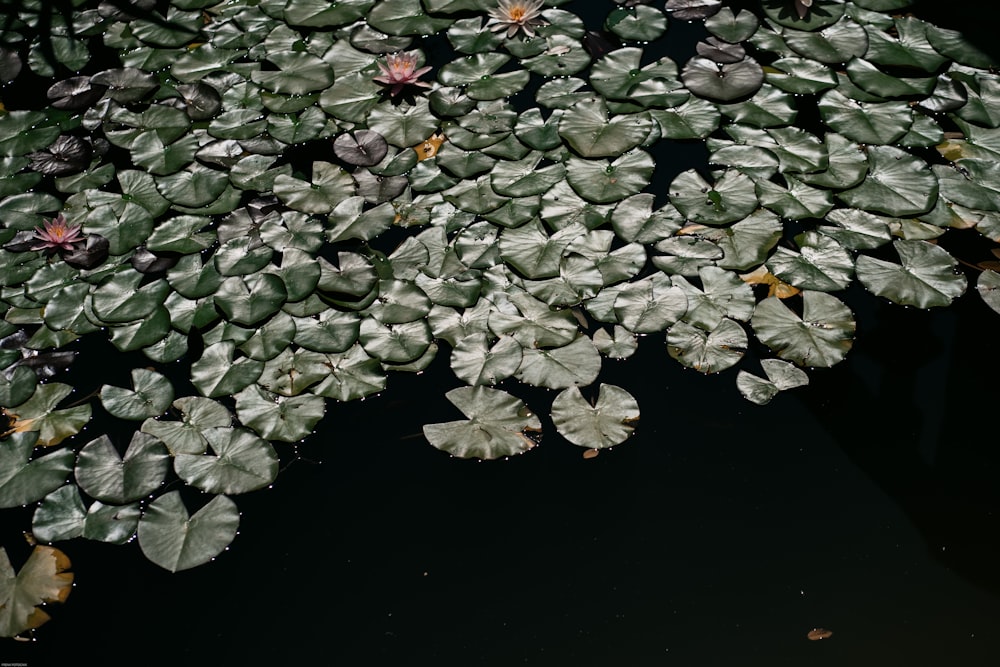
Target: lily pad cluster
290,200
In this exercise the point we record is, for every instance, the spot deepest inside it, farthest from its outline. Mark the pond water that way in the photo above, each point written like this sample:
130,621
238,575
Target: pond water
865,503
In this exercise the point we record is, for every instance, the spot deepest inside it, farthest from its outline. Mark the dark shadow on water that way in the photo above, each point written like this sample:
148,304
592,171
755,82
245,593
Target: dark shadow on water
911,407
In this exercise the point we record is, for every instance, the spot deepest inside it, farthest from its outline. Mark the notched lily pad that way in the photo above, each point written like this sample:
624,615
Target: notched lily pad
496,425
608,422
43,578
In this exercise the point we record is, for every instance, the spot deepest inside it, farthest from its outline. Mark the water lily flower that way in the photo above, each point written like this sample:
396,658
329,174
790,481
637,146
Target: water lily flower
517,16
399,71
57,235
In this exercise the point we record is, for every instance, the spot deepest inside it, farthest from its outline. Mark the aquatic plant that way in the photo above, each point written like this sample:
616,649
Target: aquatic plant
56,234
399,71
271,231
516,16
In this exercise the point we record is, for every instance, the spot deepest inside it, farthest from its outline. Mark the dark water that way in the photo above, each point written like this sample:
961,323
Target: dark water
866,503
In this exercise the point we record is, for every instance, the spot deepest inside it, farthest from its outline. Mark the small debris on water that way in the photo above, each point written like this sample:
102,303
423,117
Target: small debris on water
819,633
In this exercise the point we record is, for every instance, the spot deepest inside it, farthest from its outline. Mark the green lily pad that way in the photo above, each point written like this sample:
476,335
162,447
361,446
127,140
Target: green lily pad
496,425
588,129
108,476
722,82
151,396
707,351
24,480
276,417
603,182
478,361
298,73
897,183
60,515
608,422
176,540
39,415
925,277
218,373
781,376
731,198
575,364
821,336
239,462
732,27
186,436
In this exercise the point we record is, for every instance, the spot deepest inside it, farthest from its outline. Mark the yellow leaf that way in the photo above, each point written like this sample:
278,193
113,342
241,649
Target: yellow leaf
775,286
429,147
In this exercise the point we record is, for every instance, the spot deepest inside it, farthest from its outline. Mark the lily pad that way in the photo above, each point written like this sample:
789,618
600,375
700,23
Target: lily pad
821,336
496,425
781,376
722,82
108,476
897,183
40,415
239,462
925,277
43,578
186,435
151,395
608,422
176,540
23,479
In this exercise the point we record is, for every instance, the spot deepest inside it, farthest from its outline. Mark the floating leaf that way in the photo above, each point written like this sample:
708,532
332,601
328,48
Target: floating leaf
497,425
218,373
707,351
276,417
988,286
731,198
39,414
575,364
186,436
603,182
176,540
723,82
240,462
477,361
60,515
106,475
781,376
43,578
22,480
821,337
150,396
298,73
926,276
897,183
588,129
732,27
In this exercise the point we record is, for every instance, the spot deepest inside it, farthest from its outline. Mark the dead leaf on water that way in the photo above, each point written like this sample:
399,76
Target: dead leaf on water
429,147
817,634
591,453
775,286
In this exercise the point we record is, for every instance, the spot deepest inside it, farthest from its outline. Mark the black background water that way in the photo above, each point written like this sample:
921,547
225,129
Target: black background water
866,503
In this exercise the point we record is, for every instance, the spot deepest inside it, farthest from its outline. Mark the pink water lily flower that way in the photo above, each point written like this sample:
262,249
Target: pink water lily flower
57,235
399,71
517,16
